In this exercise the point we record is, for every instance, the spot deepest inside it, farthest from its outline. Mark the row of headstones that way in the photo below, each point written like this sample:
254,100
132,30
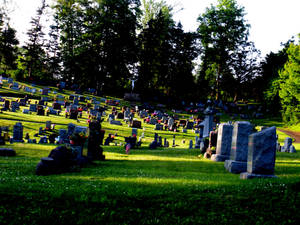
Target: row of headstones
250,154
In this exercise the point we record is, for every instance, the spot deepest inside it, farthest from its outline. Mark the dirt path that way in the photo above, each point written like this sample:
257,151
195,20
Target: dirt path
293,134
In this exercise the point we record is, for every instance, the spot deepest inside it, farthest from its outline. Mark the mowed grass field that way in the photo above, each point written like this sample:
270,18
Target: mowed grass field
162,186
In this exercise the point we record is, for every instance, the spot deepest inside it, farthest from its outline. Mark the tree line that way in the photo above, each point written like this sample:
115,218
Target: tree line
110,44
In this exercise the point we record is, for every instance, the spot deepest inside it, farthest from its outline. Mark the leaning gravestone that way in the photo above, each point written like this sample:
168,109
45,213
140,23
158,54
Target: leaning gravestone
223,143
18,132
63,136
239,147
261,154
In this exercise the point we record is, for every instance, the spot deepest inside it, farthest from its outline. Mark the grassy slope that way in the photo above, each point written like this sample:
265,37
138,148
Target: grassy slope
164,186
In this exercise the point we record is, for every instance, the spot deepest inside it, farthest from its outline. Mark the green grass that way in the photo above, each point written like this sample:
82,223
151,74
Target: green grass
162,186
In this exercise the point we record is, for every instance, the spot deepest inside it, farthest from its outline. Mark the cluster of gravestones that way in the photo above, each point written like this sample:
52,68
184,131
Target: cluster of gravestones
5,151
64,158
251,154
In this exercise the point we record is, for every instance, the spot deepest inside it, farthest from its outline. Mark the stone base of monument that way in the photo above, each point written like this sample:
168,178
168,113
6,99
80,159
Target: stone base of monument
235,166
247,175
7,152
219,158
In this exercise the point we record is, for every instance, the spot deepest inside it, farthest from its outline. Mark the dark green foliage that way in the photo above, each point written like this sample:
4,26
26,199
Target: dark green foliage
225,49
34,54
289,79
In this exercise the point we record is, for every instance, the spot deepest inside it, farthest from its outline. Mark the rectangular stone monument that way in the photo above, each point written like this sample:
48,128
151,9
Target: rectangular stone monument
223,143
189,125
261,154
71,128
208,125
45,91
115,122
18,132
153,121
32,108
25,111
136,124
134,132
158,126
239,147
48,125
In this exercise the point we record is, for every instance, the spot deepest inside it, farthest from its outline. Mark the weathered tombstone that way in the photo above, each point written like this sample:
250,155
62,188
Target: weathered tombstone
287,144
223,143
76,101
120,115
261,154
208,124
14,106
56,105
63,135
45,91
80,129
239,147
32,108
41,131
189,125
40,110
111,117
174,144
154,144
10,80
153,121
18,132
159,143
6,104
95,152
134,132
170,122
48,125
191,144
158,126
71,128
166,143
184,130
136,124
43,140
292,149
25,111
115,122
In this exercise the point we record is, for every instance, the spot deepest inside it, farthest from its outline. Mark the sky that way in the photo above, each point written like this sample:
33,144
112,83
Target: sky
272,21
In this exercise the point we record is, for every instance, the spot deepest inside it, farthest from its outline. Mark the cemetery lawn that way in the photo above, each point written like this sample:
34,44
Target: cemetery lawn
162,186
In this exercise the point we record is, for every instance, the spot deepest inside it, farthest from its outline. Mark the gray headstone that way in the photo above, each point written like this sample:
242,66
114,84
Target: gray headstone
32,108
25,111
71,128
287,144
115,122
48,125
134,131
239,147
223,143
261,154
18,132
292,149
208,125
158,126
191,144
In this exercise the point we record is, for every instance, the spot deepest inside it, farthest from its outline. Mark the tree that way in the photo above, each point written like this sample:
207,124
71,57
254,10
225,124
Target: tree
8,44
223,34
290,85
34,53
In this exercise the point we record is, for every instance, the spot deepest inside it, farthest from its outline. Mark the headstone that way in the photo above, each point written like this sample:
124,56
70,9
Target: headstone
10,80
170,122
136,124
111,117
71,97
239,147
166,143
158,126
189,125
95,139
153,121
14,106
41,131
56,105
63,135
18,132
292,149
43,140
25,111
80,129
174,144
71,128
208,125
134,132
120,115
287,144
6,104
45,91
32,108
223,143
40,110
261,154
48,125
184,130
115,122
191,144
